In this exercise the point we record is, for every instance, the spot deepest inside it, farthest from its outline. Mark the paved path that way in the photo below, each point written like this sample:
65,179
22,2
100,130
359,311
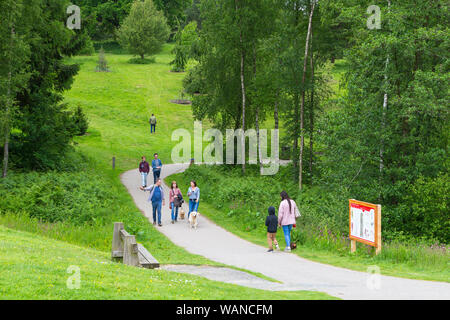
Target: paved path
296,273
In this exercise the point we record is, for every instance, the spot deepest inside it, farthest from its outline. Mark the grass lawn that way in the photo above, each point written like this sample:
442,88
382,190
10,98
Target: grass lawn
34,267
119,104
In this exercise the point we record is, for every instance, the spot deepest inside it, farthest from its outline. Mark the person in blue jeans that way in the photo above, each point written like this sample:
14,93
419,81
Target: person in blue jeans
156,166
144,169
194,197
157,199
286,217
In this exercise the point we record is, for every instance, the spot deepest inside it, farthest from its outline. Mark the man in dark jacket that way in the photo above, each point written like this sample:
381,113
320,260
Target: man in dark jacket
144,169
272,223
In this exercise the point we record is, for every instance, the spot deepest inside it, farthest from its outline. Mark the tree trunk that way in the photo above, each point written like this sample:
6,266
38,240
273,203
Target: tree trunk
383,116
311,115
302,135
8,110
296,133
275,111
243,91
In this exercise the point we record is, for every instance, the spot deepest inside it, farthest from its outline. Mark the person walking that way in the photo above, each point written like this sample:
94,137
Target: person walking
286,217
271,224
194,197
152,122
157,199
156,166
175,200
144,169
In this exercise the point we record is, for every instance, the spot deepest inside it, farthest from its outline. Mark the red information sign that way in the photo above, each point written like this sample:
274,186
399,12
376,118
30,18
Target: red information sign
365,222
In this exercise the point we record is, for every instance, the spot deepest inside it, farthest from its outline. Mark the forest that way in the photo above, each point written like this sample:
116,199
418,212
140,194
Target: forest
357,88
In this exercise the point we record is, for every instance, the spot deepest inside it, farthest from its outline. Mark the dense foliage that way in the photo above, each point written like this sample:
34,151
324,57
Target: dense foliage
42,129
184,41
384,140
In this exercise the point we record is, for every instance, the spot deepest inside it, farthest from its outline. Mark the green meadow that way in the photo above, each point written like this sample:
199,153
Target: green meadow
45,269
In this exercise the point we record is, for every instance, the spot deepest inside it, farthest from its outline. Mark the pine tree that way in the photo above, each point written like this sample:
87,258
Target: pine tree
102,65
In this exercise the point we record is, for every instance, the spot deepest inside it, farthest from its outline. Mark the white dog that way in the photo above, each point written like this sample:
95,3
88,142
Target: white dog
193,219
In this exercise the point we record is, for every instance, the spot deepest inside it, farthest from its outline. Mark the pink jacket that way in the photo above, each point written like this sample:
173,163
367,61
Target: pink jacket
172,194
284,216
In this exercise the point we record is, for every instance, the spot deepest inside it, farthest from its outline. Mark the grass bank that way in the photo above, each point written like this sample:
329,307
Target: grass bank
34,267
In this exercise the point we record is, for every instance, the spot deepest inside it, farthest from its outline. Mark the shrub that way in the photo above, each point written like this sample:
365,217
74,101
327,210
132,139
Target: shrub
80,122
75,197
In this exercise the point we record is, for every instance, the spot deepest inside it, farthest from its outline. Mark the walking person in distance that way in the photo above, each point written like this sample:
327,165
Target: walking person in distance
144,169
152,122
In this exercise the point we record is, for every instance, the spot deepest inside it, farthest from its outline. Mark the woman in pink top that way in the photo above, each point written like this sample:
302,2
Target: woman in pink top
286,217
173,193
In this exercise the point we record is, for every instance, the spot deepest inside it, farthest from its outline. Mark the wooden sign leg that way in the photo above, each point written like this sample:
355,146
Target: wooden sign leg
352,246
378,249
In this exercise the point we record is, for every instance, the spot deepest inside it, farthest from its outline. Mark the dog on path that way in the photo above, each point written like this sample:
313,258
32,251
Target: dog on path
182,213
193,217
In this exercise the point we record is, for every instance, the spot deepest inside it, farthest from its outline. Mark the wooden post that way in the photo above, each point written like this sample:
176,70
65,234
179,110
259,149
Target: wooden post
114,163
117,244
378,222
130,252
352,246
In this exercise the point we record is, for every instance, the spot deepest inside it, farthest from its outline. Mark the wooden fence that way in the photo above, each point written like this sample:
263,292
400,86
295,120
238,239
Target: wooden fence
125,248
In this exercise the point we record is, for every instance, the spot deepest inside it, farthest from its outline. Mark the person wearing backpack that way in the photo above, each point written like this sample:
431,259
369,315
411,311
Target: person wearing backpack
271,224
175,200
286,217
152,122
144,169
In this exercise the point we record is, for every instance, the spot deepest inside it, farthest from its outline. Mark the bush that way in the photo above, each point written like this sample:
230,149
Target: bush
75,197
142,61
244,201
80,122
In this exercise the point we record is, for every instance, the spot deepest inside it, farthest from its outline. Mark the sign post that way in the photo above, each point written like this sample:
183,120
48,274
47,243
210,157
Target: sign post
365,224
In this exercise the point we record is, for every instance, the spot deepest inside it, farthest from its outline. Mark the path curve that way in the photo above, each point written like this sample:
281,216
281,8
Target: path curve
296,273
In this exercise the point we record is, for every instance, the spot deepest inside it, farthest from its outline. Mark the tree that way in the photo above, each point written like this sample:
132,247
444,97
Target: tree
102,65
305,60
42,129
174,10
144,30
14,54
411,130
183,46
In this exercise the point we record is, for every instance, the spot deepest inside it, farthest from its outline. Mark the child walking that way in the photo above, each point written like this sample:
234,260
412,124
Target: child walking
272,223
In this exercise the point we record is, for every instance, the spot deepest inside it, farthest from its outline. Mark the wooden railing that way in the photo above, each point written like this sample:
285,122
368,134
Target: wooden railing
125,248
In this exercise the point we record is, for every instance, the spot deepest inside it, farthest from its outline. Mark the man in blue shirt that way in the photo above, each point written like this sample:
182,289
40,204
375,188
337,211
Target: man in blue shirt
156,166
156,198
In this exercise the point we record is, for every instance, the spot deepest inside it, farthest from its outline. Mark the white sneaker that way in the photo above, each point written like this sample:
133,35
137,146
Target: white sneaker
287,249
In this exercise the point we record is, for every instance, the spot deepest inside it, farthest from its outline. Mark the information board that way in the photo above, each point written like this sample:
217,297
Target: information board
365,222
